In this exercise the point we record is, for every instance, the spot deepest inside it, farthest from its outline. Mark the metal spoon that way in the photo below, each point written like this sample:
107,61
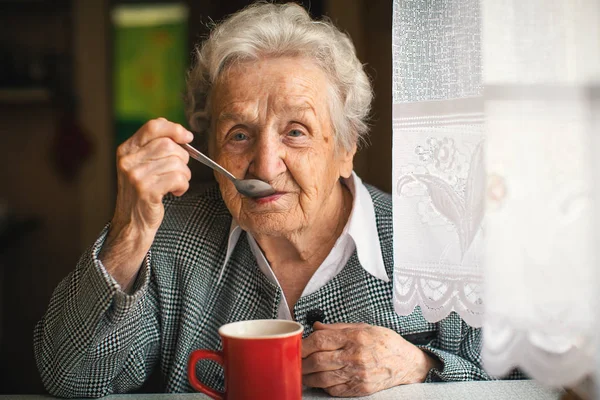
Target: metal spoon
247,187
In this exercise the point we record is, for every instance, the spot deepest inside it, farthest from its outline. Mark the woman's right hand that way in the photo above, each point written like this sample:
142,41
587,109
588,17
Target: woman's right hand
150,164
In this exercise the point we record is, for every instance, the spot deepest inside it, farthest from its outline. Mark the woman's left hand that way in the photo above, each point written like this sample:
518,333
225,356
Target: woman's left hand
360,359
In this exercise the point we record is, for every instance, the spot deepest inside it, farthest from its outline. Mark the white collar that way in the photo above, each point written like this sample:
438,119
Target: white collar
361,226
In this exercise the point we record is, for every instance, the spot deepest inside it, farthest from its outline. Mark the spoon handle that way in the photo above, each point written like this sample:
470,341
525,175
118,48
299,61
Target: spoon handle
195,154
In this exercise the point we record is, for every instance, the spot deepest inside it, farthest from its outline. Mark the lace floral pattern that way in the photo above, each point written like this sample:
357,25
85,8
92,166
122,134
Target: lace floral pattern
438,197
438,158
450,195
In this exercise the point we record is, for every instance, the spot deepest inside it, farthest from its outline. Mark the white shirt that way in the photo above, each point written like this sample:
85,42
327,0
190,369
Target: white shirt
360,233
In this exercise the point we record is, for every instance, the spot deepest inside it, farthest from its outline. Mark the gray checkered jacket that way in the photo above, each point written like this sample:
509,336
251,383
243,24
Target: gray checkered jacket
95,340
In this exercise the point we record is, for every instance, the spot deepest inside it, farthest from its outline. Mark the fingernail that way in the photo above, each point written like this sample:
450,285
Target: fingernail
189,135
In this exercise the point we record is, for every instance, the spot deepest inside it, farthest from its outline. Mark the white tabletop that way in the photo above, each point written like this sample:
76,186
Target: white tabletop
490,390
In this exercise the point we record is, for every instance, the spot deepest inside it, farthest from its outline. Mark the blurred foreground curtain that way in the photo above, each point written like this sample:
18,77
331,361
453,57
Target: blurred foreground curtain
496,125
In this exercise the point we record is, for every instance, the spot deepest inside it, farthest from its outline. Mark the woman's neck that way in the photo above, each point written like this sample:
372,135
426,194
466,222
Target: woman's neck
311,246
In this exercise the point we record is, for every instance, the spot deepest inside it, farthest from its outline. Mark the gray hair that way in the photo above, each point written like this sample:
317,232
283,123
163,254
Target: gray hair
265,29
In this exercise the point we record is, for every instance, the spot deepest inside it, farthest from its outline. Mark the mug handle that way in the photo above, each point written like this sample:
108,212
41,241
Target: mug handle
196,356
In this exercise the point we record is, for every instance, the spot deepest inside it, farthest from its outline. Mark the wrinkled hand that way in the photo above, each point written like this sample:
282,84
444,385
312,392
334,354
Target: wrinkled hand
149,165
360,359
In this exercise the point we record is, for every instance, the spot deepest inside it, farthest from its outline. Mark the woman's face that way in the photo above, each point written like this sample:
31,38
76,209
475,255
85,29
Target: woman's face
271,122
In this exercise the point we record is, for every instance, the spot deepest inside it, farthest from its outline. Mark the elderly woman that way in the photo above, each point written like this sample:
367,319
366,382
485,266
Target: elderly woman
281,98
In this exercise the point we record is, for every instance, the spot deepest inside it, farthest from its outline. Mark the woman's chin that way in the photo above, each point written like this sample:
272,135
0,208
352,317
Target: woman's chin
270,224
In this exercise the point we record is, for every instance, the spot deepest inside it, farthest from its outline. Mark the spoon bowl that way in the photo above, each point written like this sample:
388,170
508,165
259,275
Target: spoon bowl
248,187
253,187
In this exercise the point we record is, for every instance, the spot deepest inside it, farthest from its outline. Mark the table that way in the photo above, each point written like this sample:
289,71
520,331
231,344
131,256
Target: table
490,390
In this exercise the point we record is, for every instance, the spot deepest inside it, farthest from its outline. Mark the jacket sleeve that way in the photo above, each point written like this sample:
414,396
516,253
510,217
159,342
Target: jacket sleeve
458,347
95,339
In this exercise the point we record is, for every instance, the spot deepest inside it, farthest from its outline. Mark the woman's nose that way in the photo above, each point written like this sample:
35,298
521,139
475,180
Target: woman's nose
267,162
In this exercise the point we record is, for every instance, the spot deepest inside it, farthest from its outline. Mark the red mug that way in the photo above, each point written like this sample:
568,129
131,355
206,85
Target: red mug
261,358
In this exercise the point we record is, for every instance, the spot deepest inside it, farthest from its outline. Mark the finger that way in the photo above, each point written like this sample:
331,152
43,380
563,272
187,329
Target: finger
160,127
323,340
322,361
321,326
152,188
325,379
142,162
344,390
168,165
173,182
163,147
151,179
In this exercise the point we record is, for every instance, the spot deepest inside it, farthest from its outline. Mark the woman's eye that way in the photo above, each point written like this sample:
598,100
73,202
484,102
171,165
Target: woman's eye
239,136
295,133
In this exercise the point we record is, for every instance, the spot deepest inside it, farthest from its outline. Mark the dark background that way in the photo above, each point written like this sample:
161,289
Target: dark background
57,190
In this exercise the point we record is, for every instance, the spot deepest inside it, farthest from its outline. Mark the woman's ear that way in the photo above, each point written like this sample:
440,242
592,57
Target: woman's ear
347,161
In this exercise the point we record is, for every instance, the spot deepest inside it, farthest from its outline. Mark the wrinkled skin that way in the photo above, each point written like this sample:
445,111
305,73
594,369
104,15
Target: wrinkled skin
359,359
271,122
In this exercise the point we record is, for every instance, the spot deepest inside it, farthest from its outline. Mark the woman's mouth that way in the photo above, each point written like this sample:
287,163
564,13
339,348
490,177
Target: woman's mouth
269,199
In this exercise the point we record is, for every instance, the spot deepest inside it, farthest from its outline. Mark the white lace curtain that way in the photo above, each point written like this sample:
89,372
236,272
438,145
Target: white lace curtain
496,124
